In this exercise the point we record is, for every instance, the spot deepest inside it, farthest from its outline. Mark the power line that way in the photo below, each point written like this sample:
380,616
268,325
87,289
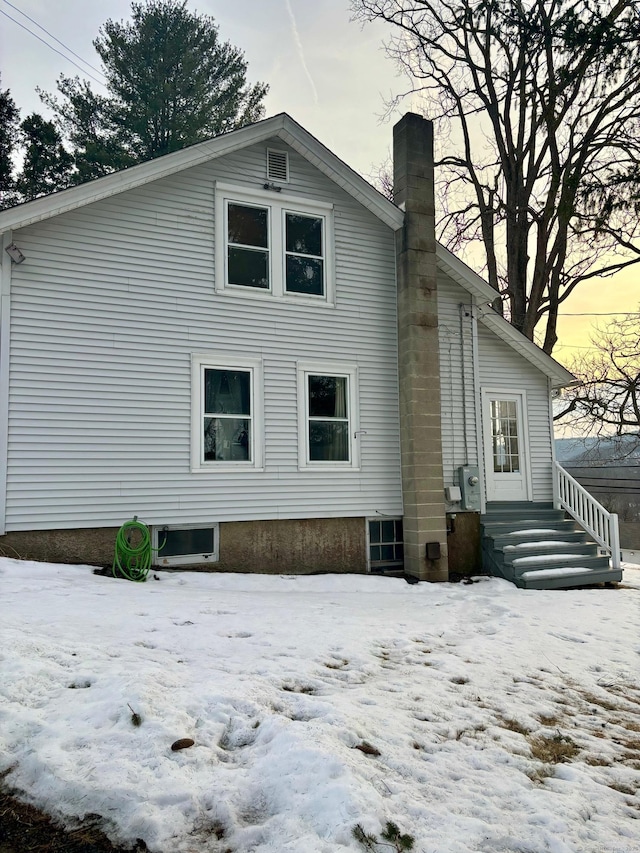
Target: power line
50,46
597,313
51,35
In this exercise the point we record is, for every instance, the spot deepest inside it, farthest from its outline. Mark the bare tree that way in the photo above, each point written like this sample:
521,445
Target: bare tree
607,400
537,108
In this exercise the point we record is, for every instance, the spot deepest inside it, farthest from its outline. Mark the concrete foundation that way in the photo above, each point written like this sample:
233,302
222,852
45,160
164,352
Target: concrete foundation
296,546
92,546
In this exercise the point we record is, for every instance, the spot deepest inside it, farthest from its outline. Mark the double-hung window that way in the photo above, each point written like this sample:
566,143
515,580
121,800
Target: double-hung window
226,413
328,416
248,246
304,254
270,245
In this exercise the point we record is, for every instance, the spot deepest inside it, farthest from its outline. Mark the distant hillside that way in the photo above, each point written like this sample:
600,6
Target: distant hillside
603,451
609,469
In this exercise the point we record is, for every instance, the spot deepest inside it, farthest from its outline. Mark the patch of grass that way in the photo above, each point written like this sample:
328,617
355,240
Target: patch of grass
541,773
629,725
632,744
26,828
550,720
603,703
597,761
553,750
515,726
460,679
623,789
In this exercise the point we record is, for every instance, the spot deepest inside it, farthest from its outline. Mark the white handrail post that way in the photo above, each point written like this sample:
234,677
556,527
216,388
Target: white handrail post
614,534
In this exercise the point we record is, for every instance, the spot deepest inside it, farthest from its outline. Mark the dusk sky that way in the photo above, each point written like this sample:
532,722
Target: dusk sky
326,71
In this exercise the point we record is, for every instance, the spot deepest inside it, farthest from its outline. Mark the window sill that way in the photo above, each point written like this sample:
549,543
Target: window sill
329,466
236,291
236,467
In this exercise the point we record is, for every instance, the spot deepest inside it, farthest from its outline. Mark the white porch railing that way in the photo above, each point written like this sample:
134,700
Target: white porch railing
586,510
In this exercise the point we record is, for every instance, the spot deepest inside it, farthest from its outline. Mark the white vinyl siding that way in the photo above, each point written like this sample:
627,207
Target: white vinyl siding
457,395
107,311
502,367
499,366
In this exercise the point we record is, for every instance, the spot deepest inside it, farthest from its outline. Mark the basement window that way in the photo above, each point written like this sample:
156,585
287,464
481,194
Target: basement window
385,540
185,544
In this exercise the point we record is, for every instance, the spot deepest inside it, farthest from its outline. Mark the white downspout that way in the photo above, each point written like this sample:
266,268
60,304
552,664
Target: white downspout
554,472
475,359
5,327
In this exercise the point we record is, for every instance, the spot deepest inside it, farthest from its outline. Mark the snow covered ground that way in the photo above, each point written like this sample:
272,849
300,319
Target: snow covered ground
471,694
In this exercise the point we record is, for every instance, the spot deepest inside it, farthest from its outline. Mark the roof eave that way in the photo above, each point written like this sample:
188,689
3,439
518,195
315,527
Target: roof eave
281,125
560,377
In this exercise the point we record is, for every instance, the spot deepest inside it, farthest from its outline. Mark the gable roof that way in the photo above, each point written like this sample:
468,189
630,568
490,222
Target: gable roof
485,295
282,126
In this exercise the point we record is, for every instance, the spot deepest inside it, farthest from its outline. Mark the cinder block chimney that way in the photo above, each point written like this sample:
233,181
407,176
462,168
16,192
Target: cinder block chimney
425,534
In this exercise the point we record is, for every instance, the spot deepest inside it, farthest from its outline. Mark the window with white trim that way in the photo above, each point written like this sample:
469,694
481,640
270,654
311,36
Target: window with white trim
328,416
226,413
271,245
185,544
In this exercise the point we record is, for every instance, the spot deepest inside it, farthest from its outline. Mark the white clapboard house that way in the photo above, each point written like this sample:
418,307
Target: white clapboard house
249,348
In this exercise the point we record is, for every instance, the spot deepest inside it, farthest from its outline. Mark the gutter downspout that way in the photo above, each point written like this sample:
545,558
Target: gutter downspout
5,329
475,358
554,471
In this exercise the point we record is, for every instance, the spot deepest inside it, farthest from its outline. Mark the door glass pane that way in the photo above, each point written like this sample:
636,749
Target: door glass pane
504,436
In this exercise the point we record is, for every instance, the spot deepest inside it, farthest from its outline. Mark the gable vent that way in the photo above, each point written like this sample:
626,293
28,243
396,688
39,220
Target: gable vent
277,165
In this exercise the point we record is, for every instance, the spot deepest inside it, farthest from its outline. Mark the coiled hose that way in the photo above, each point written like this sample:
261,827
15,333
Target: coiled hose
133,553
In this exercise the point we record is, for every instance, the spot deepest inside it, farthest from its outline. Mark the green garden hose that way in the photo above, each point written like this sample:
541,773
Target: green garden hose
133,553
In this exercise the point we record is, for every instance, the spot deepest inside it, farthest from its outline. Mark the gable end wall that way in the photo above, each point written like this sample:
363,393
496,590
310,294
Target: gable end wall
106,311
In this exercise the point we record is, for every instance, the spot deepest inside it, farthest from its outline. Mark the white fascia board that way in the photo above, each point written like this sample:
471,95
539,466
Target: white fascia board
342,174
136,176
484,293
559,375
464,275
281,125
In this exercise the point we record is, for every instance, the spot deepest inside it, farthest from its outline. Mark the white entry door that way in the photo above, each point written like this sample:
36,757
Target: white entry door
506,448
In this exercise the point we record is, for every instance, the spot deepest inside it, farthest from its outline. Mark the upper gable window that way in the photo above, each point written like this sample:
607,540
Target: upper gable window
304,239
248,246
270,245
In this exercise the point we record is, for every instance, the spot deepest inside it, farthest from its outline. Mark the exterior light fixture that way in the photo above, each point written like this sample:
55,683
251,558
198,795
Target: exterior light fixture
14,253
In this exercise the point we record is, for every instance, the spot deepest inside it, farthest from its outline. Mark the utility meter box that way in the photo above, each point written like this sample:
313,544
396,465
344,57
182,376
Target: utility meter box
469,480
